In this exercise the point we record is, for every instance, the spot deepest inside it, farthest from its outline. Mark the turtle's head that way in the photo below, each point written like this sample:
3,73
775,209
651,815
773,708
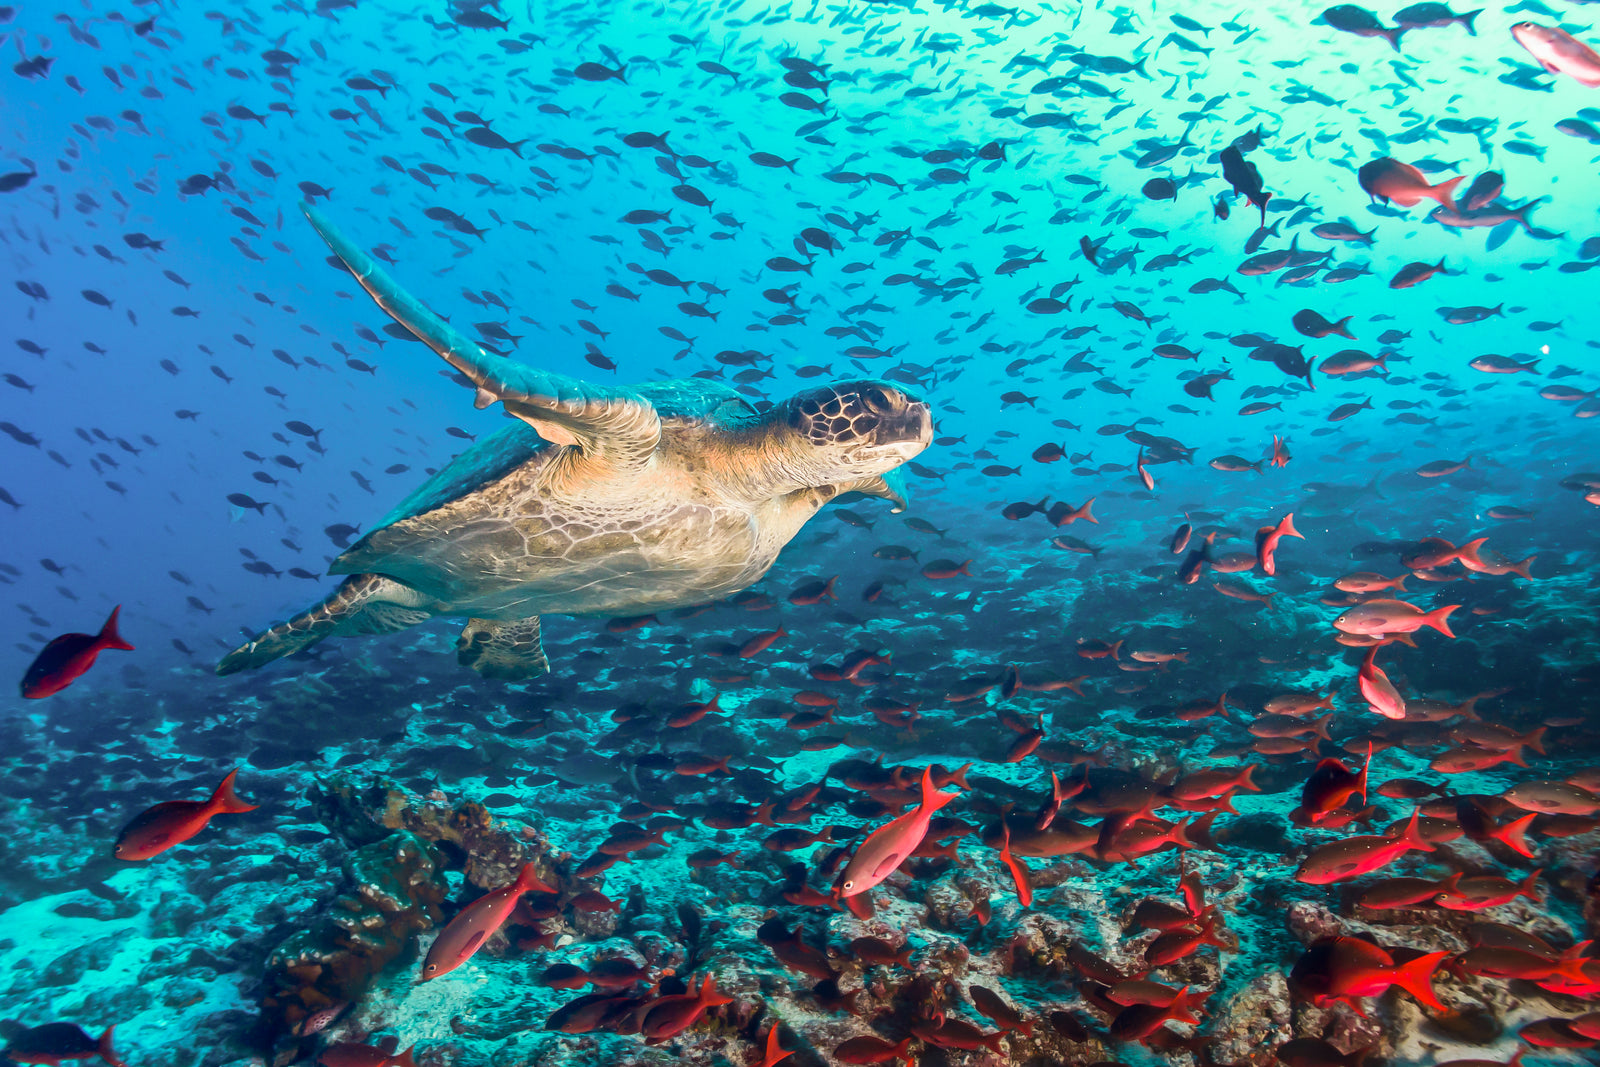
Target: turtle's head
857,429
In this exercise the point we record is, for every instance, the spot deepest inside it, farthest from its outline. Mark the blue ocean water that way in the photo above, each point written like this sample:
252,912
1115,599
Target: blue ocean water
1015,213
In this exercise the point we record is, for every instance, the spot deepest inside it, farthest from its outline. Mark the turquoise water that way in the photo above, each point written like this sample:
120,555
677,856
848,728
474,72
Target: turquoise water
1009,212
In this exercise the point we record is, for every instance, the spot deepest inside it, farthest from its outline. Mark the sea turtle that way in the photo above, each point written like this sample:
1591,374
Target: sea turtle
595,500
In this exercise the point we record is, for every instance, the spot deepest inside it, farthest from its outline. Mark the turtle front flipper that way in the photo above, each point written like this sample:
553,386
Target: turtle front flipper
615,425
363,604
890,486
510,651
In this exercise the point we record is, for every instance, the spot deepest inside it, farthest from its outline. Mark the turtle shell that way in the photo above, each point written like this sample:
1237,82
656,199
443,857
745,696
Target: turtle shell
493,457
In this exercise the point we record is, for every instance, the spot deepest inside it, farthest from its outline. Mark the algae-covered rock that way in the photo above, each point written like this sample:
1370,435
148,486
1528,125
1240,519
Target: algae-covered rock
395,887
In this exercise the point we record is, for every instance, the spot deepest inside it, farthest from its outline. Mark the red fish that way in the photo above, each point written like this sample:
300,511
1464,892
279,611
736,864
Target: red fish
775,1053
1380,694
1018,869
1379,617
1389,179
1267,538
1348,968
1355,856
869,1049
1487,891
173,822
887,847
672,1015
55,1043
64,659
476,923
350,1054
761,642
1327,790
1136,1022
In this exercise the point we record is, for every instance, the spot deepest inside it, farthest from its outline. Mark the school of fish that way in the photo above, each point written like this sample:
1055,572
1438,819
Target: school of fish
1225,693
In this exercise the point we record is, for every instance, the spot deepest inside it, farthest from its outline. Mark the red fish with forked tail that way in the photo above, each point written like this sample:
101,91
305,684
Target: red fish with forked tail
477,922
63,660
881,854
173,822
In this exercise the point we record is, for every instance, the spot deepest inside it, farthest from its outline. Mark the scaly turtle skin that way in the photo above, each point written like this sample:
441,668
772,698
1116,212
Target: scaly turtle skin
599,501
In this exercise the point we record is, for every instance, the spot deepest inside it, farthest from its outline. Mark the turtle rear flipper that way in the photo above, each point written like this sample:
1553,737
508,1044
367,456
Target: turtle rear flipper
510,651
613,424
363,604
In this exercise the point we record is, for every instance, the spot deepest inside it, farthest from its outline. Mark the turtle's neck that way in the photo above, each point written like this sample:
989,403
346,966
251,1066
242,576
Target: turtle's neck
764,460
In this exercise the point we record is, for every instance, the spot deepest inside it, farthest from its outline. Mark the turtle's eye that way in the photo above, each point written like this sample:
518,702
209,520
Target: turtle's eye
876,398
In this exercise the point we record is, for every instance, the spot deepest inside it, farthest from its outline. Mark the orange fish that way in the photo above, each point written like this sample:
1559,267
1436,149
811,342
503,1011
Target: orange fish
173,822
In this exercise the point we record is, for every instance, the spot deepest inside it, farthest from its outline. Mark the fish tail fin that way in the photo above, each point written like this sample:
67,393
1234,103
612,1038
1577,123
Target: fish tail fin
1286,528
1320,727
1523,567
1530,885
1444,192
1573,971
1393,37
1468,553
109,637
106,1051
709,996
1534,739
1412,834
959,776
1467,19
1400,582
225,801
1416,978
528,879
1247,780
932,799
1439,619
1086,514
1512,835
404,1059
1181,1008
